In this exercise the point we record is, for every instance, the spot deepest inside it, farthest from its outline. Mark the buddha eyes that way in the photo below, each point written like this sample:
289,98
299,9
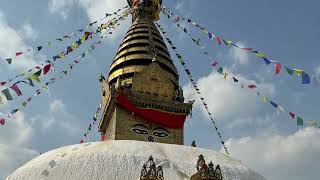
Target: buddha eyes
139,131
160,134
142,129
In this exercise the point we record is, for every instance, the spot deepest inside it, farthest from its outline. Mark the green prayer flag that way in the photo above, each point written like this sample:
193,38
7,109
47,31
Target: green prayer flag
35,76
7,94
227,43
289,71
299,121
220,70
24,104
260,54
1,100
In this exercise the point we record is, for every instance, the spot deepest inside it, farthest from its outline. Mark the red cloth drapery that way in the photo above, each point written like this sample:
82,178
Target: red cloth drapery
166,119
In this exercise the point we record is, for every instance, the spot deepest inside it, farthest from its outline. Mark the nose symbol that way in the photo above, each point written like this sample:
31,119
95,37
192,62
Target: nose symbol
150,138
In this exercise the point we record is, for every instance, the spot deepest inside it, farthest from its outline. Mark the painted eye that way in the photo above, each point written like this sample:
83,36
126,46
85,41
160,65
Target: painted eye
160,134
139,131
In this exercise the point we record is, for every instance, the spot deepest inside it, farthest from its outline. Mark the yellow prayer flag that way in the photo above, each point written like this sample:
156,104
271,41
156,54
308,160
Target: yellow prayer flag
75,45
225,76
265,99
298,72
260,55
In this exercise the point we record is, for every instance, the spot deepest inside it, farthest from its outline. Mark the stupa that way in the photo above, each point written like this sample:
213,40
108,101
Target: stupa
142,123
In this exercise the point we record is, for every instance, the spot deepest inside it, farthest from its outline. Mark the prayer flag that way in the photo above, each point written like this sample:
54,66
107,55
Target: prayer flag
290,71
46,69
225,76
247,49
278,68
81,141
220,70
214,63
19,53
260,54
227,43
252,86
9,60
24,104
2,83
16,89
292,114
39,48
274,104
35,76
218,39
235,79
313,124
1,100
7,94
305,78
299,121
267,61
265,99
298,72
2,121
59,39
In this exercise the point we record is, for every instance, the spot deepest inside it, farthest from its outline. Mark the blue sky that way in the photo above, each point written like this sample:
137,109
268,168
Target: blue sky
287,31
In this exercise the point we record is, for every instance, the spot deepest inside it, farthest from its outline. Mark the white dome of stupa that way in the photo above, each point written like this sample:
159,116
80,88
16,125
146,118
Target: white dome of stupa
123,160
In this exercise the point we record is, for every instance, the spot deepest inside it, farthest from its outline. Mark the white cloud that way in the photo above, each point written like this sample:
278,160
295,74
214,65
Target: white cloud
27,32
62,7
226,100
17,130
293,157
11,41
12,157
239,55
317,70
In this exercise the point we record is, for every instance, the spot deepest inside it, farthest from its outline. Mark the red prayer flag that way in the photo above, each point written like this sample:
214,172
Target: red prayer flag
81,141
18,53
2,121
46,69
16,89
218,39
214,63
278,68
2,83
247,49
252,86
292,115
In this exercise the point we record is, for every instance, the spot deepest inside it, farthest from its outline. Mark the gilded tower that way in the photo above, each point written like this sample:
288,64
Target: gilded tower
142,98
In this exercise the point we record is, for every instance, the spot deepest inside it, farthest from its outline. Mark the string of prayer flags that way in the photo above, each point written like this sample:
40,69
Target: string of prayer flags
58,39
305,79
188,72
251,86
52,80
89,129
48,64
220,70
